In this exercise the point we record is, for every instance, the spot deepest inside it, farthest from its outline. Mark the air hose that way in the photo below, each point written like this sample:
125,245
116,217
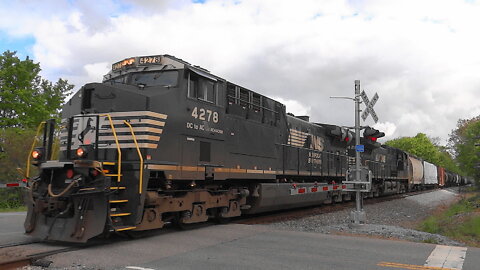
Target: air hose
50,192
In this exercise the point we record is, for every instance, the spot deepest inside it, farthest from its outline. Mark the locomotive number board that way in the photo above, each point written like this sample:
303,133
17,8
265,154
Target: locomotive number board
144,60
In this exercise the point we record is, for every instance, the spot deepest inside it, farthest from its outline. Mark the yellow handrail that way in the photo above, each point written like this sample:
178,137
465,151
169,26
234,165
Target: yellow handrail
140,185
118,146
27,174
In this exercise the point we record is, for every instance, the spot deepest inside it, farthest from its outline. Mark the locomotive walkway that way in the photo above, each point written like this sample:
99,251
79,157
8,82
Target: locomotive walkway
238,246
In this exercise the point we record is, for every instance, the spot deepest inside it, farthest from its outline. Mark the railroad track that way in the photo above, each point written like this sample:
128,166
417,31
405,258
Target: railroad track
18,244
10,261
15,255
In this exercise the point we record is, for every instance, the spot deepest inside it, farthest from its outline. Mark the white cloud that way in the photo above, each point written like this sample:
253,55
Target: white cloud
421,57
96,70
294,106
388,128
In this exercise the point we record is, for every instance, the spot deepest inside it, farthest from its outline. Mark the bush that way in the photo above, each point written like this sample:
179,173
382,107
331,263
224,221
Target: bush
15,144
11,198
460,221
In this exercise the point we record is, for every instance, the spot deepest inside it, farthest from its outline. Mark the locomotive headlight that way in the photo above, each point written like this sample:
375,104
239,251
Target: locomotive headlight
81,152
37,153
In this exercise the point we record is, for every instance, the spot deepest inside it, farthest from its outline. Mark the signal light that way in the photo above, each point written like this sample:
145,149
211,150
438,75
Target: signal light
81,152
342,133
37,153
372,134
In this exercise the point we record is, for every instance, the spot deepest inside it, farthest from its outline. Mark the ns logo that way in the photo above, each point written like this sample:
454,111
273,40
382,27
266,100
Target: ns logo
314,142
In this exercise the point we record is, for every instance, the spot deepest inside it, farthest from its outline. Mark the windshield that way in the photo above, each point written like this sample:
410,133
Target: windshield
155,78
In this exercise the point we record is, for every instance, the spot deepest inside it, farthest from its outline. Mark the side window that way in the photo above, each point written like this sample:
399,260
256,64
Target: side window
207,91
192,85
202,88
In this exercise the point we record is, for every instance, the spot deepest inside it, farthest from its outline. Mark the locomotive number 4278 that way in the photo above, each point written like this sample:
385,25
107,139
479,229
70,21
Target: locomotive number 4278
205,115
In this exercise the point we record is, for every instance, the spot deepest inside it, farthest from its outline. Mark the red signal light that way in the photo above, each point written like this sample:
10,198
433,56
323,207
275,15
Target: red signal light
373,139
347,139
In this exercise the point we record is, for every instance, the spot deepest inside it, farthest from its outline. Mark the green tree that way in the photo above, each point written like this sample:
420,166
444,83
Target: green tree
462,144
423,147
26,98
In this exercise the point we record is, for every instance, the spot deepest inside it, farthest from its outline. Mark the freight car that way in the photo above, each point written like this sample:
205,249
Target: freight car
161,140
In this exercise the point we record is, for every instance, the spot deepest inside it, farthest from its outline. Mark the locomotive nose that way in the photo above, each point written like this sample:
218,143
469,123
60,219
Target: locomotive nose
68,198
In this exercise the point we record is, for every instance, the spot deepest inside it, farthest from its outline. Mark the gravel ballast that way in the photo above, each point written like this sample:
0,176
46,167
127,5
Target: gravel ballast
394,219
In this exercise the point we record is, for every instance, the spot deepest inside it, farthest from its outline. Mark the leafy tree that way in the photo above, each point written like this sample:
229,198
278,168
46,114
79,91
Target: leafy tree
423,147
462,144
25,98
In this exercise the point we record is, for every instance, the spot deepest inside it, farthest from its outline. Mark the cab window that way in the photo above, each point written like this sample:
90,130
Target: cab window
202,88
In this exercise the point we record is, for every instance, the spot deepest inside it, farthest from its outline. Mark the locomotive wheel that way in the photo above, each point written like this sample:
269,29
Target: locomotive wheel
178,222
219,219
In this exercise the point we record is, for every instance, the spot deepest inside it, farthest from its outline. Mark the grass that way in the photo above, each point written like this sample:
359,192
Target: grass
461,221
14,209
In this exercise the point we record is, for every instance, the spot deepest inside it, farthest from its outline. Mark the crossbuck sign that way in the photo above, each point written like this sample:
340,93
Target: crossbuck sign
369,104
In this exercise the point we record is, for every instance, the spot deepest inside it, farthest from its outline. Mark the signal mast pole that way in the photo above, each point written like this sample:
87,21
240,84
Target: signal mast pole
358,195
358,215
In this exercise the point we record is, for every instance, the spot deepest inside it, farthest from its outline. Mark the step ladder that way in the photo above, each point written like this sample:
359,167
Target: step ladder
120,208
118,199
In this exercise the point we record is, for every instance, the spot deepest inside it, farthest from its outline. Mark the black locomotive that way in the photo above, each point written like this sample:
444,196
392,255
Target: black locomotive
161,140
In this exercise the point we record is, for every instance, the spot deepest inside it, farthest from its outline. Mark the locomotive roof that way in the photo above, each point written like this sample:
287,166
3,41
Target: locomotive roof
152,63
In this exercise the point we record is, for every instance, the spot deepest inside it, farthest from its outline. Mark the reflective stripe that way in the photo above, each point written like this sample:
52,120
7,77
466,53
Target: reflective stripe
130,145
140,121
129,137
7,185
139,113
315,189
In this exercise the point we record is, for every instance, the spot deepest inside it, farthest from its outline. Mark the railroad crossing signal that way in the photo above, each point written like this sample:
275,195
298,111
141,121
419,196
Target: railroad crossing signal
369,104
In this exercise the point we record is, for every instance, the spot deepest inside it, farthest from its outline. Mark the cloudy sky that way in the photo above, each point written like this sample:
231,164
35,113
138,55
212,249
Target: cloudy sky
421,57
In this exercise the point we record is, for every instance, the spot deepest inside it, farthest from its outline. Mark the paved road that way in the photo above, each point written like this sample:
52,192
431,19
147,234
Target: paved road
238,246
11,227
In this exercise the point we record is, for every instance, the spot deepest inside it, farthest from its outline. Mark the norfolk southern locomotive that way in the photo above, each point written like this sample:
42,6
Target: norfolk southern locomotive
160,140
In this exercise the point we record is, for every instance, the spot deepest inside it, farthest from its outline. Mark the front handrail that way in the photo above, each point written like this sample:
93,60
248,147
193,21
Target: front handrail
35,140
119,175
140,185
